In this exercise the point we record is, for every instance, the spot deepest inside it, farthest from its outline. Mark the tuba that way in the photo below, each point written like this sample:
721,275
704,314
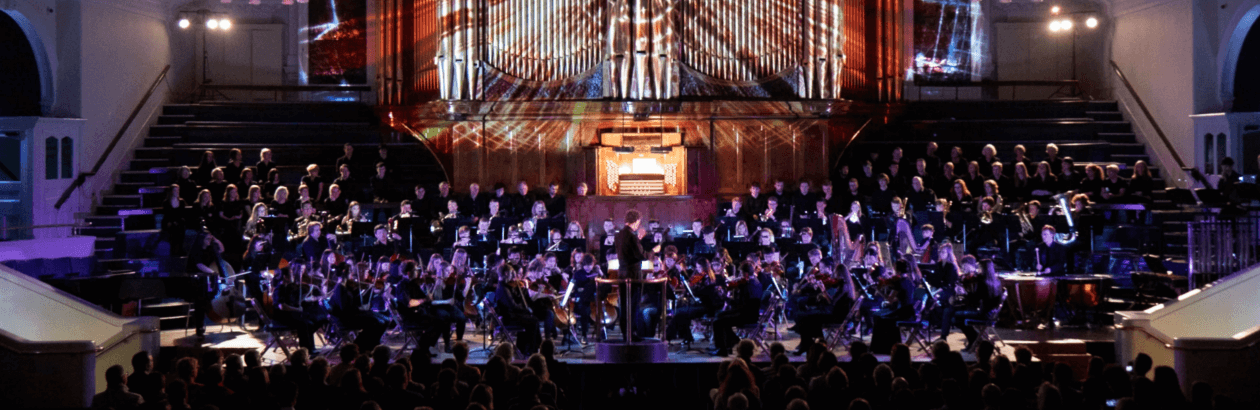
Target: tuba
1065,238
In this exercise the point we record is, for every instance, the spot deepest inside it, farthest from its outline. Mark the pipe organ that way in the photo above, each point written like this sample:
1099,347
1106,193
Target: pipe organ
514,50
505,90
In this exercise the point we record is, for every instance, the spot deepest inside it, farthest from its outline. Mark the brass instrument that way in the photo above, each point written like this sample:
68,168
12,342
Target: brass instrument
1025,221
1070,237
986,218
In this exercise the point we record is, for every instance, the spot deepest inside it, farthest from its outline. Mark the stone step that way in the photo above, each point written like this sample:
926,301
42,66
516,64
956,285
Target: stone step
161,140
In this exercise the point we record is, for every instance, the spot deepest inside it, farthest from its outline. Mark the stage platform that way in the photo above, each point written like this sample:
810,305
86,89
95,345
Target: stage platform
1058,344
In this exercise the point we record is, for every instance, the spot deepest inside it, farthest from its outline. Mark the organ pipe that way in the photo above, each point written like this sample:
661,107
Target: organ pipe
641,44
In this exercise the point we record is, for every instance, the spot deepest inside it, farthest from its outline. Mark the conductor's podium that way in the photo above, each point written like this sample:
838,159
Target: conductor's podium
629,349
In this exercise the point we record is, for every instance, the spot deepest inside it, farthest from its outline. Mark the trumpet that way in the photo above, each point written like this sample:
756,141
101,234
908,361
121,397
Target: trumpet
986,218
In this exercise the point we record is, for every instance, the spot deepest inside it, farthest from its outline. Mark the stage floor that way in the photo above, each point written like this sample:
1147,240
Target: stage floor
230,337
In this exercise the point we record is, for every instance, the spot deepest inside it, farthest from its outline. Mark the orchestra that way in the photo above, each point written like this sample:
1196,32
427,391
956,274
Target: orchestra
893,240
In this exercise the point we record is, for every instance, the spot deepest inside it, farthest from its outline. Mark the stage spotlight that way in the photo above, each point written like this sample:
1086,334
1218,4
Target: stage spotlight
1091,22
1055,10
225,24
1054,26
184,23
1066,24
212,24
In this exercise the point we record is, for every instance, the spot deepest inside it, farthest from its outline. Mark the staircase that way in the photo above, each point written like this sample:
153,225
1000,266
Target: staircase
126,221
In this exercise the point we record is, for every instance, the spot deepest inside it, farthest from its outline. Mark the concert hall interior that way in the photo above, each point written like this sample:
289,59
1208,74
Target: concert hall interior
589,204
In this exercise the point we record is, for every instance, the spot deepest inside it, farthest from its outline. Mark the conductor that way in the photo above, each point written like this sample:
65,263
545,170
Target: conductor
630,253
630,257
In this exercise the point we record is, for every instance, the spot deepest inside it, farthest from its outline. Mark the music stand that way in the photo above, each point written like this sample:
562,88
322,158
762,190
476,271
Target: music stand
406,228
1180,196
686,245
278,226
475,252
1247,191
575,243
739,250
1211,197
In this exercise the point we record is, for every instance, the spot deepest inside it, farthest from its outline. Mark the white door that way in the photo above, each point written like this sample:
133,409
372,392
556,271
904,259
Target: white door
247,54
1031,52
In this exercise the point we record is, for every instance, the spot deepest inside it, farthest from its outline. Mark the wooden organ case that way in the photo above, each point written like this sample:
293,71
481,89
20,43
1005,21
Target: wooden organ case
534,90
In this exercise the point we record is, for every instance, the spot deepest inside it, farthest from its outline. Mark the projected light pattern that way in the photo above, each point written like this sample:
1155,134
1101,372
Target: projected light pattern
949,41
639,49
337,42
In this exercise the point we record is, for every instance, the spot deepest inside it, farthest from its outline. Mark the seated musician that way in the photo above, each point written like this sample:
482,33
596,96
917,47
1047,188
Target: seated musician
354,214
348,304
821,215
583,275
258,254
386,243
328,266
511,301
898,289
988,224
413,300
743,308
900,234
771,274
452,211
444,299
737,211
542,296
484,232
925,249
835,298
983,295
705,285
609,236
1050,256
306,215
463,237
293,311
316,241
773,212
708,241
697,226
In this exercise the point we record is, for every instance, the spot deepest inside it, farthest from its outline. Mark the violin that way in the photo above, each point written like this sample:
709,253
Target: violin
736,283
827,281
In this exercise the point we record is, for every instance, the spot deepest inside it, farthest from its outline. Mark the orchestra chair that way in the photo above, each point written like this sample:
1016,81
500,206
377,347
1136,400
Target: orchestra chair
914,331
278,335
336,335
837,334
986,328
503,332
756,331
703,325
411,332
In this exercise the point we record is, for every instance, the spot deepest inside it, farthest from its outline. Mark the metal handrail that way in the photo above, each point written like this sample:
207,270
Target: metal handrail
856,135
1147,112
78,181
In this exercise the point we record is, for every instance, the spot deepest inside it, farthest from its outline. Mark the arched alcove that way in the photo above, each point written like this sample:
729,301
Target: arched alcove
26,81
1244,40
1246,82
